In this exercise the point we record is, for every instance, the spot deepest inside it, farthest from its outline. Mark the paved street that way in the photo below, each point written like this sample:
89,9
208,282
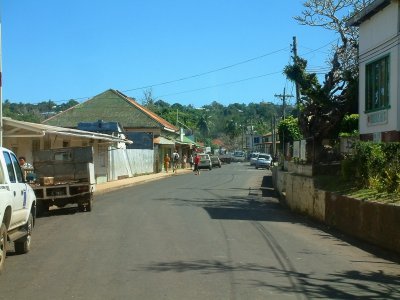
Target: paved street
211,236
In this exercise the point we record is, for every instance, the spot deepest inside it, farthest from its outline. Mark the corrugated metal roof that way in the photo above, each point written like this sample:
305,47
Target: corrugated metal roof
14,128
163,141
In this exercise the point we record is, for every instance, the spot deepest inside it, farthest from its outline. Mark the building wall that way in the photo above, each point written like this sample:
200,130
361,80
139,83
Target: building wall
379,36
379,28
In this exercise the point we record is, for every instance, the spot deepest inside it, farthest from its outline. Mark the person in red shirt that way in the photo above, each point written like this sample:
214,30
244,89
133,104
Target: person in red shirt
196,164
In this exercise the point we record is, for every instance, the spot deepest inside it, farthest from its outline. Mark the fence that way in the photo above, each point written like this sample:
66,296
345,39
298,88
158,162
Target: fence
311,151
130,162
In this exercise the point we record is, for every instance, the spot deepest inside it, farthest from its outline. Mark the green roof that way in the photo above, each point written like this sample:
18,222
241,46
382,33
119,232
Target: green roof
109,106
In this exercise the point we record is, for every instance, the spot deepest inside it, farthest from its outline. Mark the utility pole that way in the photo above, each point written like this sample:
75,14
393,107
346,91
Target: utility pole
295,62
283,97
273,136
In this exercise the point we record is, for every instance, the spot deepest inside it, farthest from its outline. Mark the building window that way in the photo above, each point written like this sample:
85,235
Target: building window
377,84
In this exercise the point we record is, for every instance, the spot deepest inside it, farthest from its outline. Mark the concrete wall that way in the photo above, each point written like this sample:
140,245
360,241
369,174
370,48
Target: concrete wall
373,222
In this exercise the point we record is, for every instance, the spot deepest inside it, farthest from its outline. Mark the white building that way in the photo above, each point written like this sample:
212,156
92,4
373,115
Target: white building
379,50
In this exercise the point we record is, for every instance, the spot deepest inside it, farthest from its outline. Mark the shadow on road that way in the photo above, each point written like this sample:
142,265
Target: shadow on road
336,285
62,211
259,205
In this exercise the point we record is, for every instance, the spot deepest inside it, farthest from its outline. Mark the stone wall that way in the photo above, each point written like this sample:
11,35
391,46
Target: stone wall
374,222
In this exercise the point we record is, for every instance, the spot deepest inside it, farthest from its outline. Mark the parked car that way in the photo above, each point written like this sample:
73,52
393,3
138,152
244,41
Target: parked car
253,158
215,161
239,156
205,162
226,158
263,161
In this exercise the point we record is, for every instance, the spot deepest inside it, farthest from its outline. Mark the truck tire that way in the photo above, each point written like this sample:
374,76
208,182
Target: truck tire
3,245
42,207
90,203
86,206
23,245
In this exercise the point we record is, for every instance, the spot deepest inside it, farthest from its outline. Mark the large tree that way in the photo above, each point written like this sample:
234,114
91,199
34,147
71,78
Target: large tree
323,106
333,16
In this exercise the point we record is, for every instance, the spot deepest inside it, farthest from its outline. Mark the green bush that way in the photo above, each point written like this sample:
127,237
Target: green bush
348,168
349,125
374,165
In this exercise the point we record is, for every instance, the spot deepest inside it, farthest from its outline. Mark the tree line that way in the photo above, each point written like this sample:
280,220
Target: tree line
35,113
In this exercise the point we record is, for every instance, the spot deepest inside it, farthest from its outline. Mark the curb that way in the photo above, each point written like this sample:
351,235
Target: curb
115,185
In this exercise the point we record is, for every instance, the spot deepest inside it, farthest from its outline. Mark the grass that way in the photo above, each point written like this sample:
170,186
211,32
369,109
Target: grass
338,185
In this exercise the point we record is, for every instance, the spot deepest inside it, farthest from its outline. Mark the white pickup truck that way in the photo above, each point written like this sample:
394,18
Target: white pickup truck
17,207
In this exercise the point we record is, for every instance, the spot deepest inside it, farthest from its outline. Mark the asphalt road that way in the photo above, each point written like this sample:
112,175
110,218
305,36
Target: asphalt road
211,236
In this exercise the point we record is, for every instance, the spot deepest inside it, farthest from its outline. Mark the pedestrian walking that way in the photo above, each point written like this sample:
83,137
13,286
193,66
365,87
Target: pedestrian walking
175,161
196,164
166,162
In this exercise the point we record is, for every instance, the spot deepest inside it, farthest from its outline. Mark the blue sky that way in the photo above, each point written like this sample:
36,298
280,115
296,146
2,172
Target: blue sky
188,52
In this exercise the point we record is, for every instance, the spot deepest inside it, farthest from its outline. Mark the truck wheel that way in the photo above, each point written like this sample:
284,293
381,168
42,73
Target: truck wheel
23,245
86,206
89,204
3,245
42,207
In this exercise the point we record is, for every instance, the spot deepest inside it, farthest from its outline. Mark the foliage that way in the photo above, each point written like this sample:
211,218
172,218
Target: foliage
349,125
375,166
322,106
228,123
288,130
232,129
35,113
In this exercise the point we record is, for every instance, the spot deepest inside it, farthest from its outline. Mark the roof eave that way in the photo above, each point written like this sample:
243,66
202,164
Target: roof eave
368,12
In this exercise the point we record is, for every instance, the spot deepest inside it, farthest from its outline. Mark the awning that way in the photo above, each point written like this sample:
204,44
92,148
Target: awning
14,128
187,141
163,141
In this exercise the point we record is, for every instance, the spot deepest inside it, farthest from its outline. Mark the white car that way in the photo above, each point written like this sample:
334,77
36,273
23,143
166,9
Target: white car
263,161
205,162
253,158
239,156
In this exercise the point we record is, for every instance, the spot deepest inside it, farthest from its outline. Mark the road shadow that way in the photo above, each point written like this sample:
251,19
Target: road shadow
59,211
265,206
260,204
334,285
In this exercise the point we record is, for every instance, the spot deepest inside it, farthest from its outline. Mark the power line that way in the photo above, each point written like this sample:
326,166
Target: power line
191,76
315,50
206,73
222,84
